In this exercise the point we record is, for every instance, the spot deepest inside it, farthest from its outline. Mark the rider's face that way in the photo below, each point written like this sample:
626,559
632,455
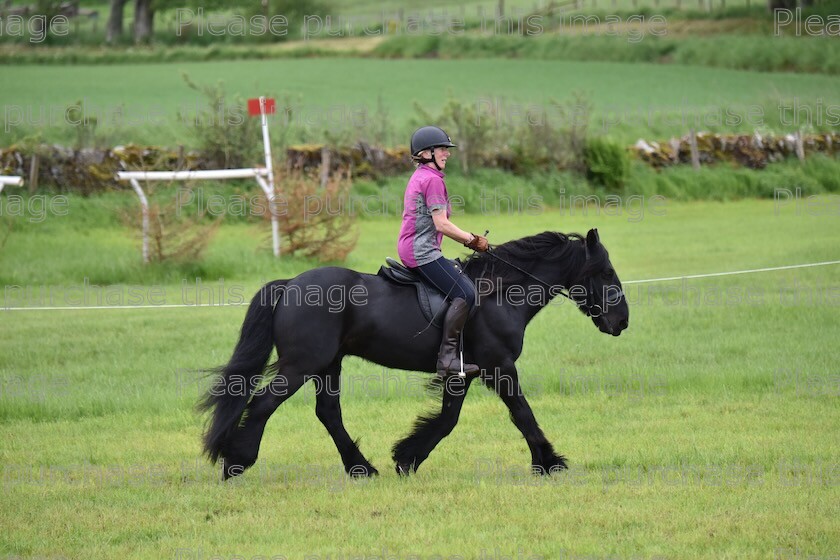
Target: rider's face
441,155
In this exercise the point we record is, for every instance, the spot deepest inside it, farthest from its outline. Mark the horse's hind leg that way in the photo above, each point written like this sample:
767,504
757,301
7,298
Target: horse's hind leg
243,447
328,410
409,452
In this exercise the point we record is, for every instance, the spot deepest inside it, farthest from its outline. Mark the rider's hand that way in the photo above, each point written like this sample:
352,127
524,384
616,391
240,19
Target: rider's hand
478,243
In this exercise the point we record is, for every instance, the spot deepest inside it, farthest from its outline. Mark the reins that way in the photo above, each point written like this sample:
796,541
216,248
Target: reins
525,272
590,294
528,274
551,289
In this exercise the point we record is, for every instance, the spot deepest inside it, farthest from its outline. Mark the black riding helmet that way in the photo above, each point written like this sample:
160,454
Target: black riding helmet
429,137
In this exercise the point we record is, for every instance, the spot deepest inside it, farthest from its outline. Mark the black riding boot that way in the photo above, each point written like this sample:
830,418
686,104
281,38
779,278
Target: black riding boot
449,361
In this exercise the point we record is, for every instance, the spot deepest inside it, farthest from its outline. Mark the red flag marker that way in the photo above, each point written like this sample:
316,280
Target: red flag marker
254,107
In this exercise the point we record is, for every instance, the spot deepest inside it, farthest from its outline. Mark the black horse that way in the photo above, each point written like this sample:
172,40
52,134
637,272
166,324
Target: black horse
324,314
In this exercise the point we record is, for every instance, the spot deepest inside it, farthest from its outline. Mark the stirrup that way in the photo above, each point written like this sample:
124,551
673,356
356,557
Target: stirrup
461,369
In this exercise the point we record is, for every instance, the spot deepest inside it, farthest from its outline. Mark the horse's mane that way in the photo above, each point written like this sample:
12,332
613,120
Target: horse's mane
552,246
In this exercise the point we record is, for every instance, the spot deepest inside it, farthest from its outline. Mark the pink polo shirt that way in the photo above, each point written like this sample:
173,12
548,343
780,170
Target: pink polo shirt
419,241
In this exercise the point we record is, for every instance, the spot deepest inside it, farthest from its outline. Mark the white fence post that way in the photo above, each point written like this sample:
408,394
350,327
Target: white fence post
134,177
269,190
144,203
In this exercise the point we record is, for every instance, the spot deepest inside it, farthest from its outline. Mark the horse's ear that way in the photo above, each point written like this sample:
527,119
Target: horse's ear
592,238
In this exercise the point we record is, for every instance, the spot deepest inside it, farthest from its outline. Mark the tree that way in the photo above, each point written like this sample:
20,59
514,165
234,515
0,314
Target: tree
144,13
774,5
144,17
48,9
144,10
114,29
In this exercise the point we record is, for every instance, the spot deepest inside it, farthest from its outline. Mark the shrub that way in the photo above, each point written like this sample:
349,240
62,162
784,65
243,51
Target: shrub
227,136
607,163
316,221
172,236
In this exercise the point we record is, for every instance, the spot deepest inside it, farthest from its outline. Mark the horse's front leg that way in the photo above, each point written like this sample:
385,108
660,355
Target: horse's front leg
428,431
505,382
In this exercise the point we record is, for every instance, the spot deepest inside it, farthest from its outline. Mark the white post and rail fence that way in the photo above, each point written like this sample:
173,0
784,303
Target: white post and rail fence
11,180
264,177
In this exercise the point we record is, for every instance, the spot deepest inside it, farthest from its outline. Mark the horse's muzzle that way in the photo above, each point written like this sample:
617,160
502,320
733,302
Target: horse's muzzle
607,327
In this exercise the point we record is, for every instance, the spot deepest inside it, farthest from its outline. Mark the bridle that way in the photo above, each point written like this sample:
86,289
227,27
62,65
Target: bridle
589,305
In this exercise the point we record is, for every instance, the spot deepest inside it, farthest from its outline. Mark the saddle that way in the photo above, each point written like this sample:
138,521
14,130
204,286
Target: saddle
432,303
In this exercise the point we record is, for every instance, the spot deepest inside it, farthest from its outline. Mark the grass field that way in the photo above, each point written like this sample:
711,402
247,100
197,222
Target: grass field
358,15
707,430
141,102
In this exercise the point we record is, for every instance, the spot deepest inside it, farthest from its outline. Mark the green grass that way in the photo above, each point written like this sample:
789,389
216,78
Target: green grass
632,44
626,105
729,48
69,224
351,19
707,430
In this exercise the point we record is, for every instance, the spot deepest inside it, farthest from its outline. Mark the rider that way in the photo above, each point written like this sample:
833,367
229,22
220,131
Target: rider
425,222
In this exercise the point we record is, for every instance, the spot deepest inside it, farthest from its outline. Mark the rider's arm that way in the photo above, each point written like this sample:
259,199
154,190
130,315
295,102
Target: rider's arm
447,228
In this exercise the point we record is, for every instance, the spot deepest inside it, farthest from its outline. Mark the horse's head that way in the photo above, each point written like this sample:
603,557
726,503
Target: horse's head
598,292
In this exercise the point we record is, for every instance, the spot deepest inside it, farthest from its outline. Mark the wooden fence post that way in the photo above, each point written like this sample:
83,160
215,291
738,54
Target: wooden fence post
695,154
798,146
33,173
325,166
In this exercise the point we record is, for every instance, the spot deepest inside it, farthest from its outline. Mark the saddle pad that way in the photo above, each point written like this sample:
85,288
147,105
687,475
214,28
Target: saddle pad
432,303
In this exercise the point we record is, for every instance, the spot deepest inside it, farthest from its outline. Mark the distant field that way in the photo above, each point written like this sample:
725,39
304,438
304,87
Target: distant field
629,100
707,430
368,12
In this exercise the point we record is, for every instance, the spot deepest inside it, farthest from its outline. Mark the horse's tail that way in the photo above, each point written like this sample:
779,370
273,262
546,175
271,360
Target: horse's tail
229,395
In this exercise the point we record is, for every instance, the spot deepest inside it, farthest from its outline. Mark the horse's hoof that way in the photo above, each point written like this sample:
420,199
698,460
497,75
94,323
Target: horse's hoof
555,466
404,469
558,465
362,471
231,470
